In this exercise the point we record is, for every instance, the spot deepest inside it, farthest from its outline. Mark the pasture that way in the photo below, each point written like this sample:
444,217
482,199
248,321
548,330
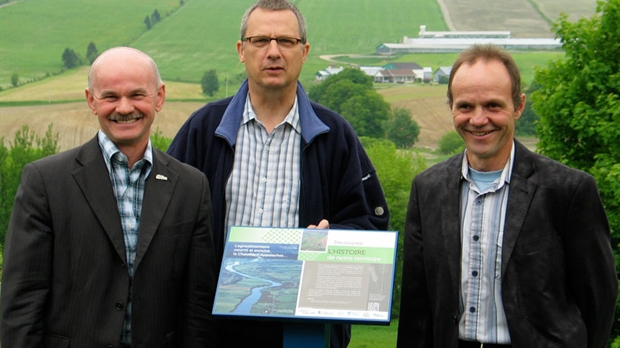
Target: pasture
196,37
36,32
201,35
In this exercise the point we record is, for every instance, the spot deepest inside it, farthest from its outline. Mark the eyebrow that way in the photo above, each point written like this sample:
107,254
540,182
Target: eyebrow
107,93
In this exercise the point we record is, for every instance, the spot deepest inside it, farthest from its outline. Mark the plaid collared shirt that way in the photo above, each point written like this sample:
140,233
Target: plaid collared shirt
263,189
128,185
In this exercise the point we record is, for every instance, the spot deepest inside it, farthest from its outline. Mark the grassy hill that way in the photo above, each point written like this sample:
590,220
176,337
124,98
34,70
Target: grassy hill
193,38
34,33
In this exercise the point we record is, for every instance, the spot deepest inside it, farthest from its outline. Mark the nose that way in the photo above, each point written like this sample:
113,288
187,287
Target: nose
479,117
124,106
273,50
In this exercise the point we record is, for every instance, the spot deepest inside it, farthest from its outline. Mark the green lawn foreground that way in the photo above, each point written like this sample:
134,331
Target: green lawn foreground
374,336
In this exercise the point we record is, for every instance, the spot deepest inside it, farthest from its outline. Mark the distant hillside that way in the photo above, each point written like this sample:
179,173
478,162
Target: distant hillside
523,18
199,36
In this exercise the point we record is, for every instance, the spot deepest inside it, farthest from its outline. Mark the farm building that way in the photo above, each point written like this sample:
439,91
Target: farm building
323,74
443,71
456,41
400,72
423,34
396,76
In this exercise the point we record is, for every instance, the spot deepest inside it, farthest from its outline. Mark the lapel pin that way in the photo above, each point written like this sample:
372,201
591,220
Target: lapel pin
161,177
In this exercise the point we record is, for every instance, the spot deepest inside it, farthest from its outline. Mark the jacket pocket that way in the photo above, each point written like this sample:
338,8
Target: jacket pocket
54,341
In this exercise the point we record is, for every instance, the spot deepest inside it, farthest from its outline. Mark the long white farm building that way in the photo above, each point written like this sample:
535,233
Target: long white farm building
456,41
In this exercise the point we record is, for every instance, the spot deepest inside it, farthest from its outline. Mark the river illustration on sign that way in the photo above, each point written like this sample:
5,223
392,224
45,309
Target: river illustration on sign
255,285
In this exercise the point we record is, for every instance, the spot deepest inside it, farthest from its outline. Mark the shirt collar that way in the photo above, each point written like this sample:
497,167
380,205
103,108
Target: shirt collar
291,118
109,149
310,124
506,172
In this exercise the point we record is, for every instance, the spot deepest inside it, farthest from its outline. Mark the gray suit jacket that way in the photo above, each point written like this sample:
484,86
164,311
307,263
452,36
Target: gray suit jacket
559,282
65,281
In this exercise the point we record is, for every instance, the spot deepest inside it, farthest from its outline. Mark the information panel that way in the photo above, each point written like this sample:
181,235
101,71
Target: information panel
300,273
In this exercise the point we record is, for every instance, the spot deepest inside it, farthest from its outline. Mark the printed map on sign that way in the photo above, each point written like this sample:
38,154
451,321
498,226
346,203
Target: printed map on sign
307,274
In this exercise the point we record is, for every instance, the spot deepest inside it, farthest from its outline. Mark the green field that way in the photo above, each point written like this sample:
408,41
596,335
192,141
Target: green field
526,61
196,37
374,336
35,33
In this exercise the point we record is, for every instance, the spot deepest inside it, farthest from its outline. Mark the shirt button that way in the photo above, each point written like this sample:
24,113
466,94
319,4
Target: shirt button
263,179
119,306
472,309
476,238
474,273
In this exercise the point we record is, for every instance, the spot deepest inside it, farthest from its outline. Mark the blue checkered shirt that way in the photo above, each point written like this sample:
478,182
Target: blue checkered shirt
128,185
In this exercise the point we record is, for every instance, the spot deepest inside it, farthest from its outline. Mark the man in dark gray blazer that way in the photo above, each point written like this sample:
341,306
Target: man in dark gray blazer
503,247
110,244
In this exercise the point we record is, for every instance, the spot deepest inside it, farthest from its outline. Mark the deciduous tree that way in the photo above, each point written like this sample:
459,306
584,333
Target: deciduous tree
579,106
451,143
91,52
351,94
155,17
14,80
25,148
402,130
210,83
70,58
396,170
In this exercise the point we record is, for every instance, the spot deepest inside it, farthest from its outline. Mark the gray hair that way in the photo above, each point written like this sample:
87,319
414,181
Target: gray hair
158,80
276,5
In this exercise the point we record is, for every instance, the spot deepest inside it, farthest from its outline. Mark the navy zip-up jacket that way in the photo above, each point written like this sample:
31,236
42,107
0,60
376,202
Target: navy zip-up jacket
338,181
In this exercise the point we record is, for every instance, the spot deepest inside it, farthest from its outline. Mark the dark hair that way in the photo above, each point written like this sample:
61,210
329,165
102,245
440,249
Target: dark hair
487,53
276,5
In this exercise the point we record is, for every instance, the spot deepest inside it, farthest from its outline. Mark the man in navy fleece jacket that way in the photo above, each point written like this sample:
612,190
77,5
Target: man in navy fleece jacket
274,158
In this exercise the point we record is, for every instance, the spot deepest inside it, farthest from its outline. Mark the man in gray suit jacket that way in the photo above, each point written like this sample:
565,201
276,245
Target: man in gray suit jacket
110,244
503,247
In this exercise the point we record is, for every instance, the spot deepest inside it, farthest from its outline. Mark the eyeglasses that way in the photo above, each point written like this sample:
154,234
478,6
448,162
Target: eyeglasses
264,41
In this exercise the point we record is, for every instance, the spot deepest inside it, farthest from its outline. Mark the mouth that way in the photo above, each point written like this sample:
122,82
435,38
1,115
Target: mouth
274,68
124,119
480,134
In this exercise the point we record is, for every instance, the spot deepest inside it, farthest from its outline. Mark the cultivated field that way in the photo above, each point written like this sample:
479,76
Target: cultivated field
201,36
523,18
75,124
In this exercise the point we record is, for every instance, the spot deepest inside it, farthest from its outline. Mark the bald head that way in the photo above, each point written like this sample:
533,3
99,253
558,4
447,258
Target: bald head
123,56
